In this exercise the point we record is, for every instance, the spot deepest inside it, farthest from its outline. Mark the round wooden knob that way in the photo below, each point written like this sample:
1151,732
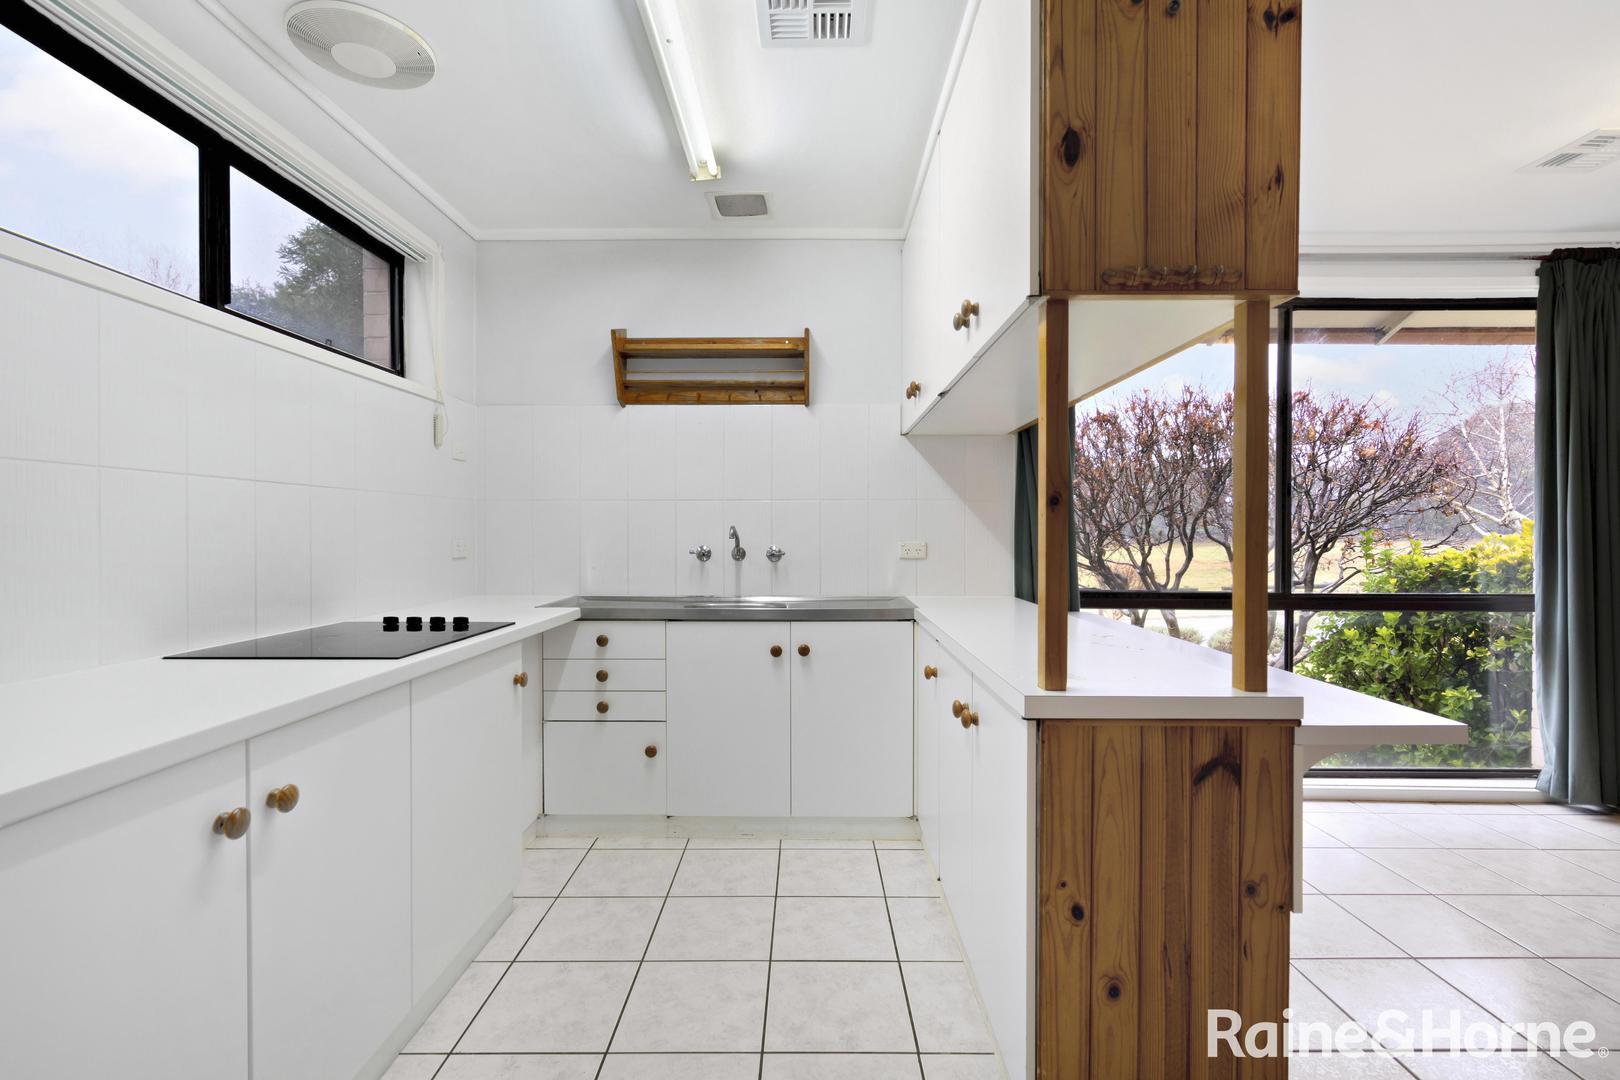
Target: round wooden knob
521,679
930,671
969,719
601,641
233,824
957,708
283,798
601,706
776,650
601,676
913,388
957,322
651,751
804,650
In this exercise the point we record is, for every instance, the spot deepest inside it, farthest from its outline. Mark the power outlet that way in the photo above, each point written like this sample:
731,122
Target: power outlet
914,549
458,450
459,548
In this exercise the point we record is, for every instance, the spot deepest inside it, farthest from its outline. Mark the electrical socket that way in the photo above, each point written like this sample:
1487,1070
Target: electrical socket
458,548
458,450
914,549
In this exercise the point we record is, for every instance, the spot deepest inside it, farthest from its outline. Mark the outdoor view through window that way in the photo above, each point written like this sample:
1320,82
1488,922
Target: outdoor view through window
1409,445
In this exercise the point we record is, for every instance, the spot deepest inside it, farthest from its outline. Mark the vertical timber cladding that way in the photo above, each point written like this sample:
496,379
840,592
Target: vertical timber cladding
1170,146
1165,883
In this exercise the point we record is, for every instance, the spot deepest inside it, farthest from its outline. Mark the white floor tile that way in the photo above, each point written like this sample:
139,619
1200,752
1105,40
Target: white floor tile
832,928
1334,872
1314,837
561,841
838,1008
907,873
1372,830
623,873
1519,1066
1559,834
1453,831
706,1007
1547,872
962,1067
1314,1020
1366,989
1606,863
812,843
635,843
829,873
439,1032
1600,909
1601,975
754,843
1540,925
945,1010
1447,872
922,929
594,928
898,845
1606,826
1428,926
713,928
546,871
551,1009
1345,1067
680,1067
841,1067
526,913
726,873
1532,991
414,1067
520,1067
1325,929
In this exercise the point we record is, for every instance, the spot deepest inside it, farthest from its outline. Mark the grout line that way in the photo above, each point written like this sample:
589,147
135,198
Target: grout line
899,969
600,1065
770,960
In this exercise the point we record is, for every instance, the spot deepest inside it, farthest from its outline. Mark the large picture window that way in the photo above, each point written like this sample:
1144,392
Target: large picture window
96,164
1402,497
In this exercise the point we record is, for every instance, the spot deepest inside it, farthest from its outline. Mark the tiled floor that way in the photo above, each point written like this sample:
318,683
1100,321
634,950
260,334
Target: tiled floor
1505,913
672,959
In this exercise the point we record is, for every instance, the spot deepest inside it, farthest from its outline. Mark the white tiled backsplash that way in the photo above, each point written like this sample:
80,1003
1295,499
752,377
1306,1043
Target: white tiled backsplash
603,499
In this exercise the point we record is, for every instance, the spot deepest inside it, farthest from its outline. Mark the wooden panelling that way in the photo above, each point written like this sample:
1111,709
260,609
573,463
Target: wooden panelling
1053,548
1064,1032
1251,475
1272,127
1172,137
1122,133
1222,110
1165,890
1068,153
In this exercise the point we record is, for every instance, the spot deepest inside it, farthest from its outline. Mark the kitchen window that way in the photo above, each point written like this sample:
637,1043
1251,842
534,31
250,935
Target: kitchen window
96,164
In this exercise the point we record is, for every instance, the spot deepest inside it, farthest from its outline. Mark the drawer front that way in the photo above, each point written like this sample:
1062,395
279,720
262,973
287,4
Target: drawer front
606,640
598,675
562,705
604,768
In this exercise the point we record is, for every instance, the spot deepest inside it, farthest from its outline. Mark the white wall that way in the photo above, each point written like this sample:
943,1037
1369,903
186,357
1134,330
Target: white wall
582,495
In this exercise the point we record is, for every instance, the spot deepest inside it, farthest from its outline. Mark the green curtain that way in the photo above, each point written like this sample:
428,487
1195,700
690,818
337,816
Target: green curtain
1026,518
1578,525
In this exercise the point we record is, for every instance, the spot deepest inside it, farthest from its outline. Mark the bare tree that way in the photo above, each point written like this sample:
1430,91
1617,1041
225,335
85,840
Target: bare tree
1491,429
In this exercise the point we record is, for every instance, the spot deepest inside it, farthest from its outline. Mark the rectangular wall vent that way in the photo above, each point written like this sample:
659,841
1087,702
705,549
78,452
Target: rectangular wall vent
1591,151
746,205
814,22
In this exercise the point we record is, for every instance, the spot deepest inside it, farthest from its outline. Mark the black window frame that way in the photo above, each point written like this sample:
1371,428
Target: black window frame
1282,597
216,157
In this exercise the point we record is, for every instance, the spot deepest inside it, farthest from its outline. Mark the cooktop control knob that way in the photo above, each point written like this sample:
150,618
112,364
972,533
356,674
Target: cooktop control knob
390,623
413,622
461,622
436,623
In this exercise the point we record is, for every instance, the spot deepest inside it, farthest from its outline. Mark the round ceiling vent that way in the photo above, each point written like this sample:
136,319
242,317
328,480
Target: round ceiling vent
360,44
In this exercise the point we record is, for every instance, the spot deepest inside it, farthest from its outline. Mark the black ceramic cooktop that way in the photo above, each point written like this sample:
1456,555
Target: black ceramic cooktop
388,639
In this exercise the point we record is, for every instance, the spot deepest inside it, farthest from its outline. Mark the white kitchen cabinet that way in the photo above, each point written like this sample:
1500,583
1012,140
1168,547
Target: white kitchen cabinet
851,719
598,675
123,931
925,704
727,707
609,705
466,744
330,884
530,793
604,768
954,859
600,639
926,345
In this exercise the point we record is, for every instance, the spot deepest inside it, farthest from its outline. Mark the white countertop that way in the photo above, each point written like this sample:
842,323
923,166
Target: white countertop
1120,672
71,735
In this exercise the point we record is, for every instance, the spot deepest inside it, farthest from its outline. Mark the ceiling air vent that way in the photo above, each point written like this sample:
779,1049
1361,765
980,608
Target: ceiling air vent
1591,151
750,205
814,22
360,44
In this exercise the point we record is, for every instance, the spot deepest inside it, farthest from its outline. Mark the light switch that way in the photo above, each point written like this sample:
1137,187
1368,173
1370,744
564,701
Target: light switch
458,548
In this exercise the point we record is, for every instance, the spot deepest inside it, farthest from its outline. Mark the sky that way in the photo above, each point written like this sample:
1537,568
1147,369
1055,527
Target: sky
85,172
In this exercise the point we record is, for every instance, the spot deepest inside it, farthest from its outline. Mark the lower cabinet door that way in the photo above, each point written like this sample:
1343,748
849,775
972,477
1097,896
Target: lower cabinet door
123,931
605,768
466,745
956,752
852,719
931,661
331,887
727,708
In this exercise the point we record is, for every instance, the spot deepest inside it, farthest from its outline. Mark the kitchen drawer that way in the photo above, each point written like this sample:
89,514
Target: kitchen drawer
606,640
604,768
621,705
597,675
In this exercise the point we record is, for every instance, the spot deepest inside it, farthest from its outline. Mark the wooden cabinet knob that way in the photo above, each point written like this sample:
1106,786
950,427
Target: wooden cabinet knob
651,751
957,708
601,641
521,679
969,719
930,671
776,650
233,824
283,798
913,388
804,650
601,706
601,676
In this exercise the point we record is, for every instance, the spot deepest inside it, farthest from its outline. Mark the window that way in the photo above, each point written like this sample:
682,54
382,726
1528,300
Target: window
1403,495
96,164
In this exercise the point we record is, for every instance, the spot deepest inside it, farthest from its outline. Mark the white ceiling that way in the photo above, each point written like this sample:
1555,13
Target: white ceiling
549,114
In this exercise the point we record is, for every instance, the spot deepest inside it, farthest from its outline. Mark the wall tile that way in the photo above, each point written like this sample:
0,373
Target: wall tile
143,564
556,452
602,451
508,545
652,548
461,518
845,548
220,584
795,453
747,452
49,553
699,523
891,522
385,531
796,529
556,547
699,452
650,451
940,522
509,454
219,403
942,467
843,451
282,556
332,556
143,387
333,443
603,547
891,457
988,547
49,368
281,418
751,576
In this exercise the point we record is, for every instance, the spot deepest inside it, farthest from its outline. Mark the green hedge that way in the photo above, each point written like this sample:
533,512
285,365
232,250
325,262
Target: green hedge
1469,666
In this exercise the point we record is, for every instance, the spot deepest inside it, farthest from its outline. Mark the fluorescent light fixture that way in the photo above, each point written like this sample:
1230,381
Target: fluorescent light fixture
663,25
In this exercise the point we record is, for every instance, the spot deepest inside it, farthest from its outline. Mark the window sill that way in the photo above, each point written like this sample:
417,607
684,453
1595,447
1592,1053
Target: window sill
1463,789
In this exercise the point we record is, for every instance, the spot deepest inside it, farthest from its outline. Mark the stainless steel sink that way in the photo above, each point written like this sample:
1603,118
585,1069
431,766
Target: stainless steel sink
689,608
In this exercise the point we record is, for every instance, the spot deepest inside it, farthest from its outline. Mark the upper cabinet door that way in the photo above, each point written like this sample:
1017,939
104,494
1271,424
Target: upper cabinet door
331,887
851,719
924,312
123,940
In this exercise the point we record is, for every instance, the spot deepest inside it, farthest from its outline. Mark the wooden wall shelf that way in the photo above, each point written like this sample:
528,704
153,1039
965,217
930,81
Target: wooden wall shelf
712,371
